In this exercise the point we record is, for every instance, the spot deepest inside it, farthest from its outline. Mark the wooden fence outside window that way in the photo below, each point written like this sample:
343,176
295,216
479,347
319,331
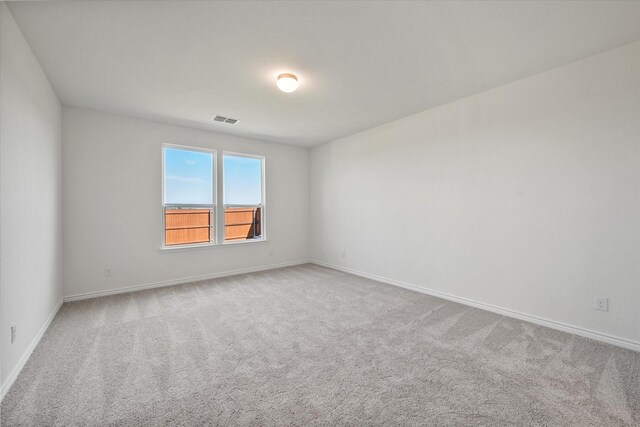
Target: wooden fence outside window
192,226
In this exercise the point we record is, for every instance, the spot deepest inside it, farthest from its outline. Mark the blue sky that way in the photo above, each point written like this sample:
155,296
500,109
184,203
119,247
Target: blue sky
188,178
242,180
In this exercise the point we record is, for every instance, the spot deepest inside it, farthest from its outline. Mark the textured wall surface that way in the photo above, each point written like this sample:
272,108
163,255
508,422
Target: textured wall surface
113,204
30,197
524,197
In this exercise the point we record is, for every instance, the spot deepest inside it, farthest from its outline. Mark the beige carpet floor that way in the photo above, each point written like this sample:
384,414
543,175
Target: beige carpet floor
312,346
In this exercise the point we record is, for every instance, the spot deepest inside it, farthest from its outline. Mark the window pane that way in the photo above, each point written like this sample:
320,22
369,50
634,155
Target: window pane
242,180
187,226
243,210
188,177
243,223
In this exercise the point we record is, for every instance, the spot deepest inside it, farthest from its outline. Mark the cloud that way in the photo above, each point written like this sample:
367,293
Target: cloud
183,179
190,162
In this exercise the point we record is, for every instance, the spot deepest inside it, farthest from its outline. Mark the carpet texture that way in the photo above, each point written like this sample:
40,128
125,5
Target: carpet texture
312,346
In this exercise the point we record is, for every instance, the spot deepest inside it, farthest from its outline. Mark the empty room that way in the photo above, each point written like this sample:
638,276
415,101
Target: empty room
320,213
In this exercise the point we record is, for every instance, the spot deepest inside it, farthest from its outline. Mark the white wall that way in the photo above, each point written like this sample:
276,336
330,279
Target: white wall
526,197
30,198
113,204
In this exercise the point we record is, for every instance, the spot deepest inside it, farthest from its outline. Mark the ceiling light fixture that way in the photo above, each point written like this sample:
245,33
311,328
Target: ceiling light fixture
287,82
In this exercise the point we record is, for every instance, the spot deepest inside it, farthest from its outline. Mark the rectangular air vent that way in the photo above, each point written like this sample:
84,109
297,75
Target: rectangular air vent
227,120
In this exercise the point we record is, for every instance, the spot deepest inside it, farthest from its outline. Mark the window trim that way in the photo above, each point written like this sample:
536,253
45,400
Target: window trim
218,200
212,207
262,205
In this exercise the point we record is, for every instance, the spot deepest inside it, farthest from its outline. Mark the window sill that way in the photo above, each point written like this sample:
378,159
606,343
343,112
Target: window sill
243,242
187,247
207,245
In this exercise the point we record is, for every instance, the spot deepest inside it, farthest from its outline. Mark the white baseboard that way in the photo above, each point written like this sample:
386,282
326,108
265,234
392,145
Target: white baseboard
4,389
598,336
161,284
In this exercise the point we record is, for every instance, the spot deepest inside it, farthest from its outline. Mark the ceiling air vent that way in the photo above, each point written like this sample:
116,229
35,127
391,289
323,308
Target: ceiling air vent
225,120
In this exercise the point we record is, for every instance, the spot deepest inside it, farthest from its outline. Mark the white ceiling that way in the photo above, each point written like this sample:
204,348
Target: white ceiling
359,64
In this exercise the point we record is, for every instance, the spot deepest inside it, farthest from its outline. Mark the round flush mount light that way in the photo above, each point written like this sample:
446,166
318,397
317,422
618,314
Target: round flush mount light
287,82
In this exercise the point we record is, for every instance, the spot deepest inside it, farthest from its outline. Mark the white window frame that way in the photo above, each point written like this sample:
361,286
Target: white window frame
213,223
263,205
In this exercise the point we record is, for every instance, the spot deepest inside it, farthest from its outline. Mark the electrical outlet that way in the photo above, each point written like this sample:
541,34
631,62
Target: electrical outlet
107,272
601,303
13,333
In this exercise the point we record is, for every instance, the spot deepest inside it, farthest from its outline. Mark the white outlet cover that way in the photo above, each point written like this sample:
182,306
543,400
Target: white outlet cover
601,303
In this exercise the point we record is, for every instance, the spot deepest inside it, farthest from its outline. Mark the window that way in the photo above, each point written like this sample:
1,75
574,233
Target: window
188,195
243,197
